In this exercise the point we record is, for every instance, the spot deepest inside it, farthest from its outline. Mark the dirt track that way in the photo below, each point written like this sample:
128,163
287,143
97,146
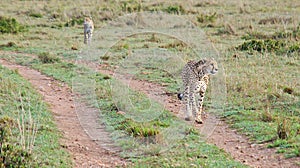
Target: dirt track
238,146
87,153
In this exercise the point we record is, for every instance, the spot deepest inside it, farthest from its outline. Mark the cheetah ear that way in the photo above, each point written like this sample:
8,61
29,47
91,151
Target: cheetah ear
201,62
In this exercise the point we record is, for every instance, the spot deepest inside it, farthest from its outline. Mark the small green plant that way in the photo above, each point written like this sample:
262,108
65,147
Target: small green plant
141,130
46,57
10,25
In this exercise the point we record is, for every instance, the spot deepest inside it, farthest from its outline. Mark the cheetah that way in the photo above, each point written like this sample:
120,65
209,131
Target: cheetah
195,77
88,27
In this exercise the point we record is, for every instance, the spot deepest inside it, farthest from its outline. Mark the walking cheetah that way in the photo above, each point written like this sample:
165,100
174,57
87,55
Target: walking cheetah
88,26
195,77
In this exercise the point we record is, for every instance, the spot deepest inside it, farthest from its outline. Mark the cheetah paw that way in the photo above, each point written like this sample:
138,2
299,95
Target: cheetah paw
199,121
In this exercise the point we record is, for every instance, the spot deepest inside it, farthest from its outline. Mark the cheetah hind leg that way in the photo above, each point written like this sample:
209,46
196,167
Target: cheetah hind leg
187,102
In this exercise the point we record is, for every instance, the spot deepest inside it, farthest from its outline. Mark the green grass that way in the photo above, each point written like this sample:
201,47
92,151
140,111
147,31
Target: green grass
47,151
262,79
149,143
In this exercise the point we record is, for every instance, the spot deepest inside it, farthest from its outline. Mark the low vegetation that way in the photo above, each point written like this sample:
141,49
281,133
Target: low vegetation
28,136
283,42
259,49
152,140
10,25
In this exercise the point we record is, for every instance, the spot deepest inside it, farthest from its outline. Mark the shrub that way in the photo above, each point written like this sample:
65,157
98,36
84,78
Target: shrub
10,25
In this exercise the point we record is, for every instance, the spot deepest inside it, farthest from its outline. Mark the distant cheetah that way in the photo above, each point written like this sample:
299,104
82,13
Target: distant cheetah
88,26
195,77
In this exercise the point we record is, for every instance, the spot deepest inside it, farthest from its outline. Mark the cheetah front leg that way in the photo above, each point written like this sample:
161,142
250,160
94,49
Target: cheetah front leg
85,37
201,89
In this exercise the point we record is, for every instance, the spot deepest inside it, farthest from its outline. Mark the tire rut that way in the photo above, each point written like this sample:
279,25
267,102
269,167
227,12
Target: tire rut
88,147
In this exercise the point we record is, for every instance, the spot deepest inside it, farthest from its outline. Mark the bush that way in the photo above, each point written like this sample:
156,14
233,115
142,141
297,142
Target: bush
10,25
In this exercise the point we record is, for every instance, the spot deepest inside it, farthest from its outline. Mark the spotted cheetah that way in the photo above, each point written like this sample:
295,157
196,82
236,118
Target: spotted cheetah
88,27
195,77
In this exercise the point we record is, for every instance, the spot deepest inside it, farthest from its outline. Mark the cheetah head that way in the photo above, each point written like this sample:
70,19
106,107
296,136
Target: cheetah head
208,66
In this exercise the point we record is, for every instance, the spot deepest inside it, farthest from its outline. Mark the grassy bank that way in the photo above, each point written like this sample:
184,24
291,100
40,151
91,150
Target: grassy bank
29,136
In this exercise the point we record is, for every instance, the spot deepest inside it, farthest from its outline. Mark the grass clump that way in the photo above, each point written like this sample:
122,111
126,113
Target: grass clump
74,21
266,116
130,7
175,9
9,46
283,129
207,18
11,153
10,25
46,58
268,45
35,15
278,42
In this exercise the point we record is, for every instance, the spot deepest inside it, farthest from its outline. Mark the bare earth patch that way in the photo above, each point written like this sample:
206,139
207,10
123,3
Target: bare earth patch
85,152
